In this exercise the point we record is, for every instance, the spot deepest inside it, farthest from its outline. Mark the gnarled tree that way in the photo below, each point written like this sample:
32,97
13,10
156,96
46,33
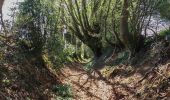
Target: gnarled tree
92,21
86,19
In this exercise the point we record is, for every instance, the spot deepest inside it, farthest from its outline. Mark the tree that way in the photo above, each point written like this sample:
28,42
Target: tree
86,19
133,15
37,21
1,4
91,21
1,18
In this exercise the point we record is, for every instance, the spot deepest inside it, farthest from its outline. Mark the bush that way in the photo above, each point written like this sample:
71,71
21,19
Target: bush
63,91
164,33
164,9
57,54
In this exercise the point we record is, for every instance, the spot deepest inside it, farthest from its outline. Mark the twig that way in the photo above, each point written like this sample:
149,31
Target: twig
161,74
146,75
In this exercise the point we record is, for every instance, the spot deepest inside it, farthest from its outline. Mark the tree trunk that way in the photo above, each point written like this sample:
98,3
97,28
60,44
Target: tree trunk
1,4
95,44
97,52
124,31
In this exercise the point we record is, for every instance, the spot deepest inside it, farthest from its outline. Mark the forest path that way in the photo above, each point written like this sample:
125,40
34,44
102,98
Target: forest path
91,86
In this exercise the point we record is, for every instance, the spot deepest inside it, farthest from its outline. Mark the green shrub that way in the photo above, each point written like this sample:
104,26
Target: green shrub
57,54
63,91
164,9
164,33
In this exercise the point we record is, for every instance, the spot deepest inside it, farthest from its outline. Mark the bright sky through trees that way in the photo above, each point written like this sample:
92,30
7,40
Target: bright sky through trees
6,8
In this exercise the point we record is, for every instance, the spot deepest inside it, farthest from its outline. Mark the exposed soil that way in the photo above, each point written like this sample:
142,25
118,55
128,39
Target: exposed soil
124,83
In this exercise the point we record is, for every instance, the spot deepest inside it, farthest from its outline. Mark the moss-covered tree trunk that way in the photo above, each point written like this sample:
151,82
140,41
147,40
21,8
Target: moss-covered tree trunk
124,29
87,19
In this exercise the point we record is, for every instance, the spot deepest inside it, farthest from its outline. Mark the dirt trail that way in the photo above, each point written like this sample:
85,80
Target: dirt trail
124,84
89,86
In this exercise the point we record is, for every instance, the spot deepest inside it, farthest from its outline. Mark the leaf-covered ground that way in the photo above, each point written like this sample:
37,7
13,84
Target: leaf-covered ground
146,78
122,83
125,83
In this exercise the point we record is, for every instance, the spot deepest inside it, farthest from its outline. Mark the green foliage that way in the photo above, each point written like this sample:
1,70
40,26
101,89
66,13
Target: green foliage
30,20
56,51
88,66
63,91
39,31
164,33
103,23
3,71
88,21
164,9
